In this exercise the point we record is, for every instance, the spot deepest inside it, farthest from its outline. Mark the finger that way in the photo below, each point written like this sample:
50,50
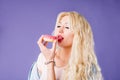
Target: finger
40,40
41,43
45,43
54,46
42,48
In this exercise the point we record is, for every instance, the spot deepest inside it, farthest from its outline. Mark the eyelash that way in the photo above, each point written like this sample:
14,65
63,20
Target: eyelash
65,27
58,26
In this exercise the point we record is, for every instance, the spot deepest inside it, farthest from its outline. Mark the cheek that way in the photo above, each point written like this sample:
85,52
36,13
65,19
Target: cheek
55,32
69,37
68,41
69,34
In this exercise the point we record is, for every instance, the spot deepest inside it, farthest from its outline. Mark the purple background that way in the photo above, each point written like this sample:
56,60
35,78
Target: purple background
22,22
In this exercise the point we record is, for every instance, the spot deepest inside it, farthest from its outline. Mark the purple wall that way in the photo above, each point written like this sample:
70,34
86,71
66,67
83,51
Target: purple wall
22,23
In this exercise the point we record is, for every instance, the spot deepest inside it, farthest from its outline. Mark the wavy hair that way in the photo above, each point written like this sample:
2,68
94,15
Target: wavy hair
83,63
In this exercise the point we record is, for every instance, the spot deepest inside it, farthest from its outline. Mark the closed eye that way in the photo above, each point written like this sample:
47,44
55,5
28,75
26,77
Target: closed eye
58,26
67,27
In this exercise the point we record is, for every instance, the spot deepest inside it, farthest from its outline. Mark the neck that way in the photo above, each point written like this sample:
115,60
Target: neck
65,52
63,55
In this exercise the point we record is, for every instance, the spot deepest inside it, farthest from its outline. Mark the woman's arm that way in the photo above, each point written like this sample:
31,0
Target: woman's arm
45,68
50,71
49,55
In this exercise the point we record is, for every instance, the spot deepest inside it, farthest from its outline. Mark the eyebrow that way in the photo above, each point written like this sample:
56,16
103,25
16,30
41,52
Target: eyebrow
62,24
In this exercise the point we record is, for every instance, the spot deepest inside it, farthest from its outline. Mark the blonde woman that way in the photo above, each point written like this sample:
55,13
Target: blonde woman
72,57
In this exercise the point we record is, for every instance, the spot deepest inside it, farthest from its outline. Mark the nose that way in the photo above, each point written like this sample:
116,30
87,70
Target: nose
61,29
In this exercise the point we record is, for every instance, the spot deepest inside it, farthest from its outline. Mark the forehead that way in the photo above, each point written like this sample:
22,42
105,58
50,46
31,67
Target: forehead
64,19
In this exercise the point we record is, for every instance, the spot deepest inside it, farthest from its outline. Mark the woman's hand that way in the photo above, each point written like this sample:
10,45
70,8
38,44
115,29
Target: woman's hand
48,53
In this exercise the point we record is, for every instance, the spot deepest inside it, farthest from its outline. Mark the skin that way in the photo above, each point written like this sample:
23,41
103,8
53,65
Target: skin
60,57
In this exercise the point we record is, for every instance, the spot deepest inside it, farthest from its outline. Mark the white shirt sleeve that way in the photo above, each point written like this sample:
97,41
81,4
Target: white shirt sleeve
40,63
33,74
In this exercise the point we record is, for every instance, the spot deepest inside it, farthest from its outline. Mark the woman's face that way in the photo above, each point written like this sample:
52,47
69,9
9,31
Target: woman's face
63,30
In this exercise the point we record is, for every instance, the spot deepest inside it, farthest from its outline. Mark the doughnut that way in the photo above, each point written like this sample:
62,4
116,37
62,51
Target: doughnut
49,38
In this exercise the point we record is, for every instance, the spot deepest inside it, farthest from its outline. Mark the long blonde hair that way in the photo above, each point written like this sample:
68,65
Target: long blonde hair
83,63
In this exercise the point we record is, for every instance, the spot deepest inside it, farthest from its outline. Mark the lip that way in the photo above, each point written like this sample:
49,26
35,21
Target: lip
60,38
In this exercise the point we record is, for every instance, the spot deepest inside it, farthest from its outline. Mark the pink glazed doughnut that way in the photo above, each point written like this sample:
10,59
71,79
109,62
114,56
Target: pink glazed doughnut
49,38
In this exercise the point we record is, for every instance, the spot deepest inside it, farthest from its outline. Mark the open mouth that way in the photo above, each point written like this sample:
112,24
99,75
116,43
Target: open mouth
60,38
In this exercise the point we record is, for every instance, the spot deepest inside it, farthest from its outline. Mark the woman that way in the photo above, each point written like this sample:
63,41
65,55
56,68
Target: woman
71,58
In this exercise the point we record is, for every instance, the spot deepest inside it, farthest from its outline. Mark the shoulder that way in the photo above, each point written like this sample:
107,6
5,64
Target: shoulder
95,73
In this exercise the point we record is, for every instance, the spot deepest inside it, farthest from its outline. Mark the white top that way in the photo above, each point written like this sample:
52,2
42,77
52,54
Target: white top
40,62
